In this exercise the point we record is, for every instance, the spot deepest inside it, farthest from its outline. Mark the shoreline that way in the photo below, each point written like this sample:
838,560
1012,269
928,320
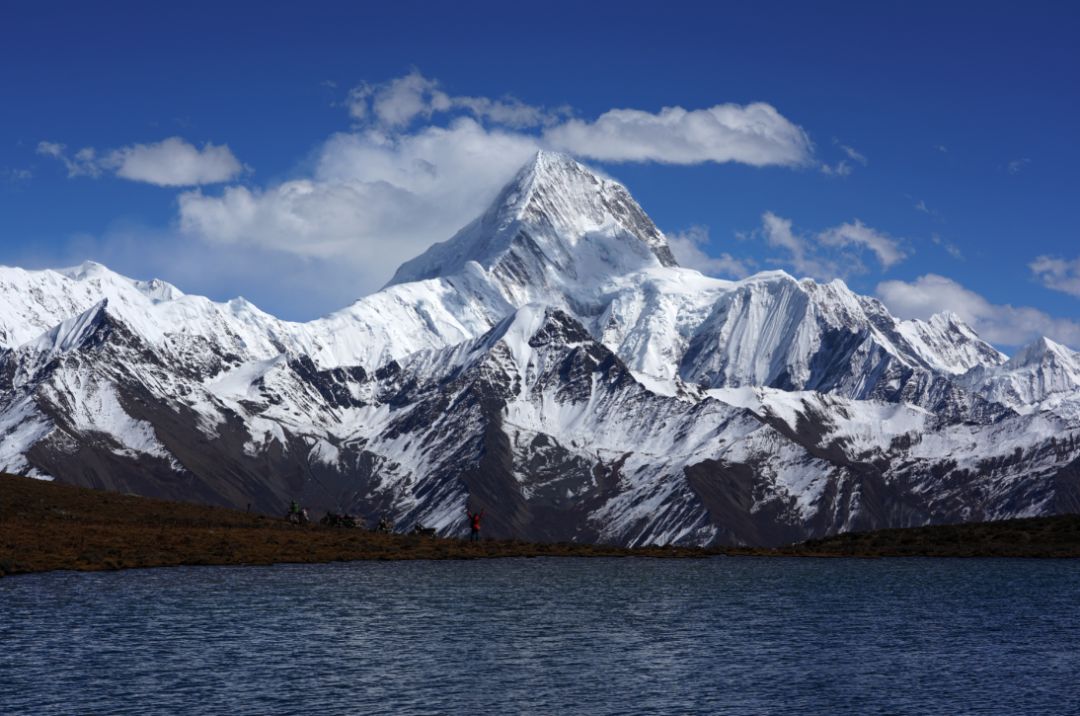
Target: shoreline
46,526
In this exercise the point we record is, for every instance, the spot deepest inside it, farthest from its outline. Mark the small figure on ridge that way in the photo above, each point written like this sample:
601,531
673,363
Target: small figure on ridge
474,524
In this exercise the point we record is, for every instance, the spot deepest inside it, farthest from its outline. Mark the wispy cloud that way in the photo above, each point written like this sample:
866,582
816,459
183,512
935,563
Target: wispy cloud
689,250
82,163
950,248
397,103
844,167
1057,274
922,207
172,162
856,233
15,176
1002,324
853,154
801,254
816,255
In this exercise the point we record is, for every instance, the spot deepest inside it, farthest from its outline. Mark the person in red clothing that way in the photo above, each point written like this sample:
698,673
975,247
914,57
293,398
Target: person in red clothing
474,523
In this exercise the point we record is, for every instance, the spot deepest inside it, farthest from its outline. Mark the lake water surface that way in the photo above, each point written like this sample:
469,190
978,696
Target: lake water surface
549,636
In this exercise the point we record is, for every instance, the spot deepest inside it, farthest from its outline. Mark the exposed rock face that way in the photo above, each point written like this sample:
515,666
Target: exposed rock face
551,364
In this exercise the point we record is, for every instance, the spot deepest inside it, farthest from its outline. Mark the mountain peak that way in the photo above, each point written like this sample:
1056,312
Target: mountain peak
557,191
73,333
87,269
559,172
546,161
1038,350
155,289
559,213
549,166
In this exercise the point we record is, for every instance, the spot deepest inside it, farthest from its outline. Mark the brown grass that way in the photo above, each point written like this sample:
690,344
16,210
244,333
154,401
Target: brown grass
47,526
1057,536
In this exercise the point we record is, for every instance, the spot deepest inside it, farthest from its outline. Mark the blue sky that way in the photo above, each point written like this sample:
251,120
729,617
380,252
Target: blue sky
295,154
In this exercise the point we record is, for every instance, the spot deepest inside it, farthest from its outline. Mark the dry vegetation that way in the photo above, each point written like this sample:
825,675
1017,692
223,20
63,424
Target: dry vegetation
1033,537
46,526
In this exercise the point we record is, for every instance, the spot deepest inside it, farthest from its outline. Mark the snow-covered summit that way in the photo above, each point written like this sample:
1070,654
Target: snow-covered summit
777,331
33,302
556,221
1042,375
949,344
1043,351
93,272
73,332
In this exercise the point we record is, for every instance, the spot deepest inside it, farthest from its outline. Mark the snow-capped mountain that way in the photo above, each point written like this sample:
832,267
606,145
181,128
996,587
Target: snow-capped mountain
550,363
1043,376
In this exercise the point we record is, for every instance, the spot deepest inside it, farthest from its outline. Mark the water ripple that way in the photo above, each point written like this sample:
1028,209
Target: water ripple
739,636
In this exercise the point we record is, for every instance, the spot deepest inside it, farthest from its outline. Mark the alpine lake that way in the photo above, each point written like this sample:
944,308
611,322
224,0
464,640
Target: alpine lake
719,635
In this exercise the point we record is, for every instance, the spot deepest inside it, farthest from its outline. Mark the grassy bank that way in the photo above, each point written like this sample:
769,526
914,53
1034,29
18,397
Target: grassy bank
1057,536
47,526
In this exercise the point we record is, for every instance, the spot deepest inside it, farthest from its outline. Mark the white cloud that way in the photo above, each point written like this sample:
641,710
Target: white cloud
754,134
856,233
778,233
688,248
357,102
395,104
171,162
509,111
401,100
374,200
808,255
174,162
1058,274
1002,324
50,149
